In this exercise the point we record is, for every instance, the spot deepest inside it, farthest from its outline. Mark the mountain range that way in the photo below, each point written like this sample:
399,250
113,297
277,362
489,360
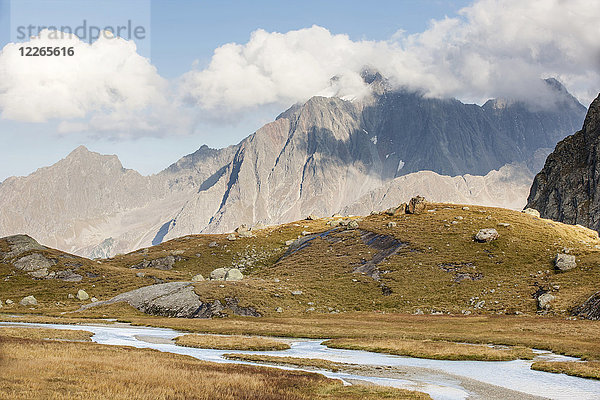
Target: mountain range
325,156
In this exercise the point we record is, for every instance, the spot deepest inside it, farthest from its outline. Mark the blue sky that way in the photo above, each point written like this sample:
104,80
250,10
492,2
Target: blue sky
449,55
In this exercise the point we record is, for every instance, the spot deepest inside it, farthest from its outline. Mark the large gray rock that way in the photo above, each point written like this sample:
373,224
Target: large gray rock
565,262
566,188
486,235
82,295
175,299
545,301
234,274
28,301
244,231
218,274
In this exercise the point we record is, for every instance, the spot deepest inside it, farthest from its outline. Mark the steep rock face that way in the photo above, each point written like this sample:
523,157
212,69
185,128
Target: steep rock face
566,189
414,133
324,155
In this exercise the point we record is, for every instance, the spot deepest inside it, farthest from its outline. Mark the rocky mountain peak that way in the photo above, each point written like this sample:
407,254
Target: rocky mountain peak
566,188
592,119
86,159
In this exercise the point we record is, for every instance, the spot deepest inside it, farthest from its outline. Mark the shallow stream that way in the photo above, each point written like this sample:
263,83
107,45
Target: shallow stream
439,378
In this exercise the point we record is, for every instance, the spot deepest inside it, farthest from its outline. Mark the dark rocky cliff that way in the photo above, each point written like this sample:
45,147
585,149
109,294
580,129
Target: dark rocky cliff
566,189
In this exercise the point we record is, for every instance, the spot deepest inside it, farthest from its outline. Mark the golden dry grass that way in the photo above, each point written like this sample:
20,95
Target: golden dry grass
34,369
588,369
295,361
45,333
438,350
511,268
235,342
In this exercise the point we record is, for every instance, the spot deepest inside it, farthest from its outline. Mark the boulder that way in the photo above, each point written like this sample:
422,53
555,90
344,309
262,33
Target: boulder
9,302
334,223
242,228
486,235
289,242
352,225
391,224
234,274
243,231
296,292
197,278
218,274
213,244
82,295
531,211
279,310
312,217
306,233
416,205
564,262
28,301
231,237
140,274
544,301
246,234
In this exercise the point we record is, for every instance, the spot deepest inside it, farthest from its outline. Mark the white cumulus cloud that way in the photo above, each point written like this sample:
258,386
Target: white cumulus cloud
104,86
492,48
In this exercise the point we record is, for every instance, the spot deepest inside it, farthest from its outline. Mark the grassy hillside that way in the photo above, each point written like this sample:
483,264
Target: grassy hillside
438,267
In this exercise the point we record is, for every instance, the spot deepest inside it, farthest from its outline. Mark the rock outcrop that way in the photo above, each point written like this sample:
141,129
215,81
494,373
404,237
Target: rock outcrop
28,301
590,309
176,299
566,189
20,244
162,263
